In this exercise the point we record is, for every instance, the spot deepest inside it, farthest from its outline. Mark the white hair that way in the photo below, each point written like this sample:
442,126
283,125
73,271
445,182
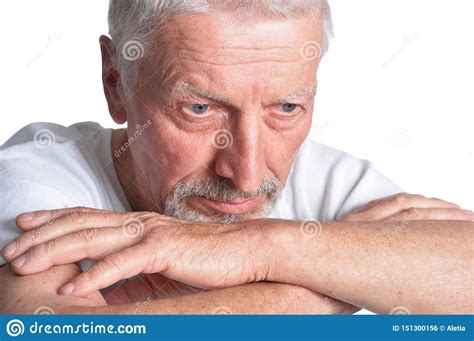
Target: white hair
132,22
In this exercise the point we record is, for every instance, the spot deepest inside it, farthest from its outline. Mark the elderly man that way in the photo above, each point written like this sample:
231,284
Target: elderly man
213,199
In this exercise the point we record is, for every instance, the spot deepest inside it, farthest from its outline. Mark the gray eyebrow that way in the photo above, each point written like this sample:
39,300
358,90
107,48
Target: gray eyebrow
204,93
307,90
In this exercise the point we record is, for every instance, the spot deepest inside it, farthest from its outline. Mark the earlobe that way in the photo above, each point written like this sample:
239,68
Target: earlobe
113,88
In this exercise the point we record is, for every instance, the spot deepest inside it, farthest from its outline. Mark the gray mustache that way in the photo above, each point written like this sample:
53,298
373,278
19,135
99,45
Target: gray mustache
223,190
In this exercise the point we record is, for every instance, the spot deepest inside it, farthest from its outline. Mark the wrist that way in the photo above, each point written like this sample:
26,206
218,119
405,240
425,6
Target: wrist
299,247
283,240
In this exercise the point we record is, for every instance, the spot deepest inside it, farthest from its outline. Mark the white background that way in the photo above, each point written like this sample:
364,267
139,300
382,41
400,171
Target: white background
396,86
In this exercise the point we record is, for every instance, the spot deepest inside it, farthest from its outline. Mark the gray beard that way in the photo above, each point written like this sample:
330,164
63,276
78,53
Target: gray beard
220,189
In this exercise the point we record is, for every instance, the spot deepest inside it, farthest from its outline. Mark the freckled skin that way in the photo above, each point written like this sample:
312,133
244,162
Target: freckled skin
251,63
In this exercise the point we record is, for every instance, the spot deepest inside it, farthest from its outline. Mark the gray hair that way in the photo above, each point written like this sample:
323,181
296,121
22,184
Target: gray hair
131,22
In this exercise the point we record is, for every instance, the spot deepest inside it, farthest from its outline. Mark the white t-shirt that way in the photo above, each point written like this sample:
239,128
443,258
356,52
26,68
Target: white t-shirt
49,166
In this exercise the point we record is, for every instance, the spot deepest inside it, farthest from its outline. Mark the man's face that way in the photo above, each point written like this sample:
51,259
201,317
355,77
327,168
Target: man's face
230,104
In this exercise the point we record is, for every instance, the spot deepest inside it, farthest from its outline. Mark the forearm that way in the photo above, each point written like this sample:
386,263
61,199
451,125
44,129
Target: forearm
27,294
424,266
255,298
38,293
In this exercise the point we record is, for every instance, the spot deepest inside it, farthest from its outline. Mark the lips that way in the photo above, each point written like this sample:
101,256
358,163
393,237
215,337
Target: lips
238,206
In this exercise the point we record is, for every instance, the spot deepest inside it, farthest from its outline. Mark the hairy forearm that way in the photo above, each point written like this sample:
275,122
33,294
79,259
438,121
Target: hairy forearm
27,294
424,266
255,298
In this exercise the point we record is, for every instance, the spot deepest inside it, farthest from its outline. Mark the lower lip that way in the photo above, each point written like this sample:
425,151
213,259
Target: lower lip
234,207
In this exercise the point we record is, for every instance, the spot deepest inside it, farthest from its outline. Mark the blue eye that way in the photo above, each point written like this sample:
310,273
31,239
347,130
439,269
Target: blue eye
289,107
200,109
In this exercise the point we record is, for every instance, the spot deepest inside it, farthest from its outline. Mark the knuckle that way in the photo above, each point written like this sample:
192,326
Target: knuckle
88,235
402,198
40,251
49,247
115,261
411,213
90,276
76,217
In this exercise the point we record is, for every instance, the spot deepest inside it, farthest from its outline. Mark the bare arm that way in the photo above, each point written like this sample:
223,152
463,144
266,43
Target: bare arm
423,266
26,294
255,298
398,257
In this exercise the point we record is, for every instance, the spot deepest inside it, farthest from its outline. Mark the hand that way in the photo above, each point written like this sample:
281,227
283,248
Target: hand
405,207
126,244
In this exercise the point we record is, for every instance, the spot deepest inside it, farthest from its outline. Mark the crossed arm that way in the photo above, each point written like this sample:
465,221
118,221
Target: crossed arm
27,294
379,257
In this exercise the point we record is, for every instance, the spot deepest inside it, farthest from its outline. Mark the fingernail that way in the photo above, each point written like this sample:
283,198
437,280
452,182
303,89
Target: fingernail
9,249
26,216
18,262
67,289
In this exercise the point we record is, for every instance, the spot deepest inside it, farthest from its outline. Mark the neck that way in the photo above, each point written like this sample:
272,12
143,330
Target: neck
125,170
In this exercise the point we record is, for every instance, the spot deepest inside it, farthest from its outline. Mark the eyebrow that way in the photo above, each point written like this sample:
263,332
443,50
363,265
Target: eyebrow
309,90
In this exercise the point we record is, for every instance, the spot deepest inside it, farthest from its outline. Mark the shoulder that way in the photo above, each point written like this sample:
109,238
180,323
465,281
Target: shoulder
46,166
48,153
326,183
45,135
314,153
66,159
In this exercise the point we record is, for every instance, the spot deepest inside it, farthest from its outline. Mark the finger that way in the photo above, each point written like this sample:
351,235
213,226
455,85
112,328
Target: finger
399,202
91,243
432,214
65,224
361,212
369,205
114,267
29,220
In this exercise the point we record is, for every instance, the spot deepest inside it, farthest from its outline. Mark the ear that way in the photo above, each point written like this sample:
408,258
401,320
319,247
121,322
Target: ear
113,88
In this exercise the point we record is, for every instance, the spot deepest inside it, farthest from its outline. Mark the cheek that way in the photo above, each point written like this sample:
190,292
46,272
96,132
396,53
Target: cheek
178,154
282,148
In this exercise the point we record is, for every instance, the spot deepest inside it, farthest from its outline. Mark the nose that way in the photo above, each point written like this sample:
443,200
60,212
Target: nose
242,160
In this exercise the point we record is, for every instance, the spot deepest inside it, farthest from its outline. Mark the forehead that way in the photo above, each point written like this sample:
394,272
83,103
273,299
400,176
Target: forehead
222,49
206,32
